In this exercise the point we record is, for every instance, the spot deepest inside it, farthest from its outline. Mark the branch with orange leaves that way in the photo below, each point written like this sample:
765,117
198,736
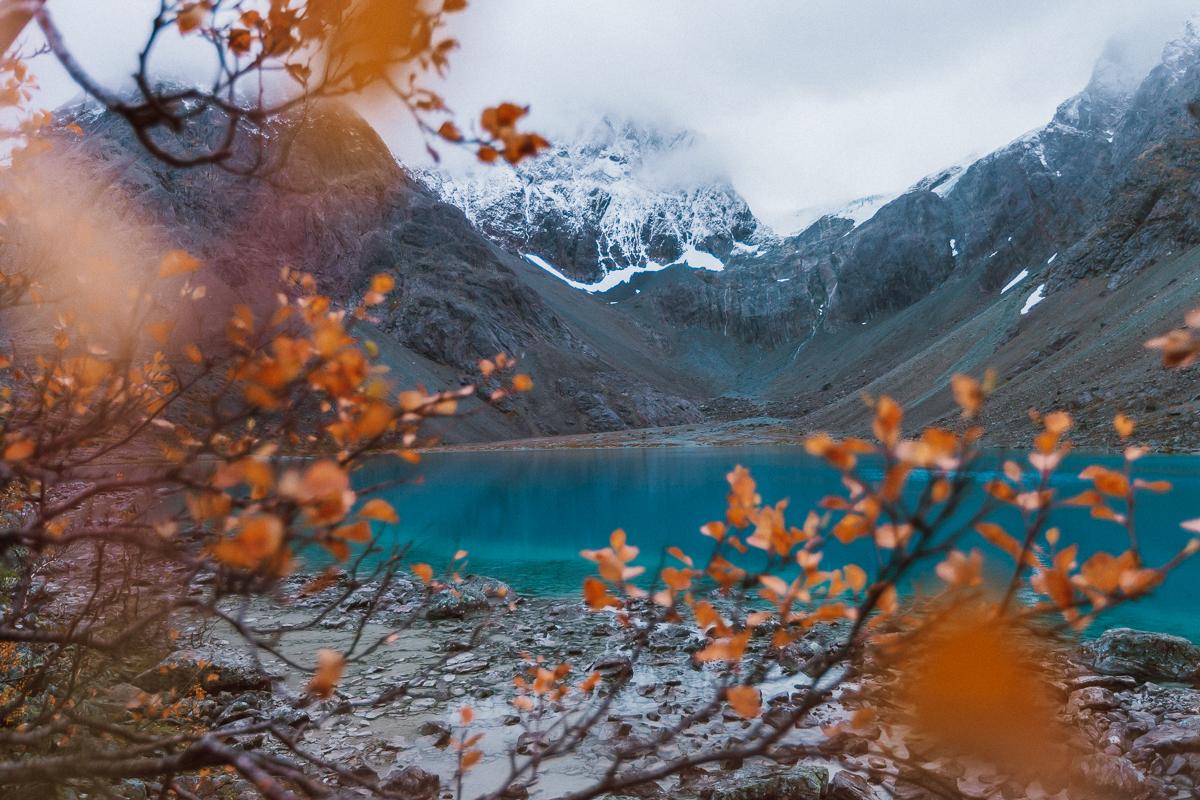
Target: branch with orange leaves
908,539
275,59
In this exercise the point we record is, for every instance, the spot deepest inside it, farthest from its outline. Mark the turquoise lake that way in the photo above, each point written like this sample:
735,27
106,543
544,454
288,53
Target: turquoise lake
524,515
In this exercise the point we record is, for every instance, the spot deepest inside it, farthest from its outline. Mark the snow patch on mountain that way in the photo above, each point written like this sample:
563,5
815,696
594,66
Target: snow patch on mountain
1020,276
1038,295
857,211
1180,55
691,257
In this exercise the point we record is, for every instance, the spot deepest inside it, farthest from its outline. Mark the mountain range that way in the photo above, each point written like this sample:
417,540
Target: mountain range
642,294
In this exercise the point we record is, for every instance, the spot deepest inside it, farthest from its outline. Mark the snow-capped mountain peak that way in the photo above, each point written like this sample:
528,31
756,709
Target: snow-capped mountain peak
623,195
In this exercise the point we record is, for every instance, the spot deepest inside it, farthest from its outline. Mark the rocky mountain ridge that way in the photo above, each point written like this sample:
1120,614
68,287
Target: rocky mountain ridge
623,195
1022,260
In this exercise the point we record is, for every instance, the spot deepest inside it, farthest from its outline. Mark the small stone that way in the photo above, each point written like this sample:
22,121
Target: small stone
1093,698
439,730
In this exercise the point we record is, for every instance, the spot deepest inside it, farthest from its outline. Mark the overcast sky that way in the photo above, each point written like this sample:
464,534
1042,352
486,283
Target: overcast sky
802,102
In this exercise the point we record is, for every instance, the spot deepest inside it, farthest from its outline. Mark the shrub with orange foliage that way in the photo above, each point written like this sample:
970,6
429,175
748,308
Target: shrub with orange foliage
961,667
212,466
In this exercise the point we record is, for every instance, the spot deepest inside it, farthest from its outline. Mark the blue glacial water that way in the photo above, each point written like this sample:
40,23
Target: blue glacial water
525,515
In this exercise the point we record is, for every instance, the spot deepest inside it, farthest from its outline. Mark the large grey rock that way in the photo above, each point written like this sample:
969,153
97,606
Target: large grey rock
213,670
412,783
1145,655
848,786
1113,776
1170,737
803,654
803,782
472,595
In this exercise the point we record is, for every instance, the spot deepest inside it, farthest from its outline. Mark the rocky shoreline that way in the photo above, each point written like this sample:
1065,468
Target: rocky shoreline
1129,699
783,432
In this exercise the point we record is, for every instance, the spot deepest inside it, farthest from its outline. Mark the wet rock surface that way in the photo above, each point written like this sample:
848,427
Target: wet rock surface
1145,655
212,669
395,715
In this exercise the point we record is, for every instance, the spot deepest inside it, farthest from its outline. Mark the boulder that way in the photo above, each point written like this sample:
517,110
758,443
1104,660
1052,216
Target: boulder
803,782
823,638
212,670
1114,776
412,783
1145,655
470,595
1170,737
848,786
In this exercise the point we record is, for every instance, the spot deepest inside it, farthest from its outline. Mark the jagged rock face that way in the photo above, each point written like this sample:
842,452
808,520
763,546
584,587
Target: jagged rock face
342,209
604,202
1149,209
1107,187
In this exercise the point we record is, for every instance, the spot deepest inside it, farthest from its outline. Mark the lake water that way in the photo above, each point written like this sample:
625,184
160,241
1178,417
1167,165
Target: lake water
525,515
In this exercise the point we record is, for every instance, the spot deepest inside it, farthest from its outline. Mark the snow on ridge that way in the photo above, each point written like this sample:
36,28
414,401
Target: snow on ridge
1038,295
624,184
698,259
1180,54
692,258
1022,275
857,211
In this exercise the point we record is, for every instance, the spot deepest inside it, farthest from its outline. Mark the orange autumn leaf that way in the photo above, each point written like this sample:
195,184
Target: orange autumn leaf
891,537
727,648
746,701
330,665
968,393
888,416
960,569
972,684
379,510
1103,571
160,331
1107,481
191,16
997,536
354,532
1124,426
177,262
596,595
1057,422
259,538
851,527
19,450
382,283
856,577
